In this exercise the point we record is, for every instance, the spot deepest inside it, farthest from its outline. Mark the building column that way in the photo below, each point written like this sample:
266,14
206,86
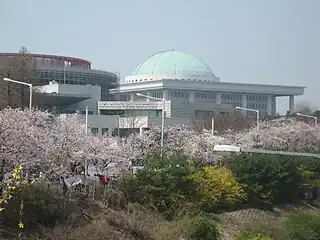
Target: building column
132,96
165,94
274,103
218,98
54,110
244,104
149,94
269,105
244,100
191,96
291,104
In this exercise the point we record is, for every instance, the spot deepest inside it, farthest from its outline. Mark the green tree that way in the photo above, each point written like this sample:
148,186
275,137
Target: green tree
164,184
266,177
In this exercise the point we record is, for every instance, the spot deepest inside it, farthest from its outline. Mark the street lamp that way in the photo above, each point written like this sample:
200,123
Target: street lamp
251,110
309,116
162,115
85,159
22,83
87,113
212,126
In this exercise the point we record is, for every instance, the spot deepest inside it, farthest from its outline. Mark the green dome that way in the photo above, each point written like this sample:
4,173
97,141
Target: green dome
176,63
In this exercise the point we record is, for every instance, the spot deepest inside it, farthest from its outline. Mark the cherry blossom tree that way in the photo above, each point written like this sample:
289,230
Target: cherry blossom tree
280,134
105,153
39,141
176,138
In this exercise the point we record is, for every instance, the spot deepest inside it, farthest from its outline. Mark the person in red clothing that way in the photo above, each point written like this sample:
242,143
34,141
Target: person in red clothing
105,179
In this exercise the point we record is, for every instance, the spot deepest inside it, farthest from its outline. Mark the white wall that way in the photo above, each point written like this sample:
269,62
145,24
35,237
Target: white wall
98,121
169,121
51,88
92,91
113,122
278,90
180,109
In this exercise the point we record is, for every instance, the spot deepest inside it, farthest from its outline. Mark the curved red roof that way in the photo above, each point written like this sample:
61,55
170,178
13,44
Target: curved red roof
73,62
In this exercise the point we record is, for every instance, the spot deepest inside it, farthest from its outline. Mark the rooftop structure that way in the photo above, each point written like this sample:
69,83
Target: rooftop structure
191,85
66,70
65,81
172,64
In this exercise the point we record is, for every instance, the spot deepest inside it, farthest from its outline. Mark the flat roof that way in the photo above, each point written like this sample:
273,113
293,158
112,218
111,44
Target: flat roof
58,99
278,90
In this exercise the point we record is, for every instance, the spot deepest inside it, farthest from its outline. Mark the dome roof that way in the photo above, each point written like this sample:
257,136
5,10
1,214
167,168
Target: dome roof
175,63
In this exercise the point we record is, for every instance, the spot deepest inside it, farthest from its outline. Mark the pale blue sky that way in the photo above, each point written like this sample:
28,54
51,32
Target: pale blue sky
249,41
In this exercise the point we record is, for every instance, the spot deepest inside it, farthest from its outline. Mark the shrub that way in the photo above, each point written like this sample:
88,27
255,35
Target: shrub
310,171
201,227
254,237
303,226
41,207
217,185
262,231
163,184
133,223
267,177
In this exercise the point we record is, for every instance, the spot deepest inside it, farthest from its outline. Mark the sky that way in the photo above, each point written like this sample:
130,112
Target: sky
247,41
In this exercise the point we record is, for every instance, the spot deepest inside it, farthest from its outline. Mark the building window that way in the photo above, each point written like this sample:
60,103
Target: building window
95,130
104,131
204,114
89,112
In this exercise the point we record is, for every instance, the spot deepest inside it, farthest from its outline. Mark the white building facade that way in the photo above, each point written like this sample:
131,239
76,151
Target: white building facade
186,85
194,90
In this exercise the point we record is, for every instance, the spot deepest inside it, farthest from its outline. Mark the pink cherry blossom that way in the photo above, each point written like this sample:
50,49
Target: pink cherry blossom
39,141
281,134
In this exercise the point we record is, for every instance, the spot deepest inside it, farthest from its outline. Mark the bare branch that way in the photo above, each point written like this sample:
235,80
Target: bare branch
21,67
132,117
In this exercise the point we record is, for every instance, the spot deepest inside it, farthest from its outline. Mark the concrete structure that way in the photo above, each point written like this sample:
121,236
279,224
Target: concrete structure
193,88
65,70
69,98
117,125
190,89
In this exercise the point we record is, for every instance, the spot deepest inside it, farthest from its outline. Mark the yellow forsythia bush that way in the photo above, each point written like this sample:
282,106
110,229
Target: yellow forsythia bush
217,185
10,188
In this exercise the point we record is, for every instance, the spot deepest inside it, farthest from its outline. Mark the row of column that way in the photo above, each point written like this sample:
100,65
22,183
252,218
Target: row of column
244,103
218,100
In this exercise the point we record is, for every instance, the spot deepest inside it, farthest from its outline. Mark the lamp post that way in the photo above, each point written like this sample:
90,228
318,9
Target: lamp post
251,110
309,116
162,115
85,160
212,126
23,83
87,113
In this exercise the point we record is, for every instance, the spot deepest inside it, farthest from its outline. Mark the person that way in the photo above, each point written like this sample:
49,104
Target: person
105,179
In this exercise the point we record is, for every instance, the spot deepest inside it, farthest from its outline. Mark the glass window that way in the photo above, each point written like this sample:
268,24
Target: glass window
95,130
104,131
